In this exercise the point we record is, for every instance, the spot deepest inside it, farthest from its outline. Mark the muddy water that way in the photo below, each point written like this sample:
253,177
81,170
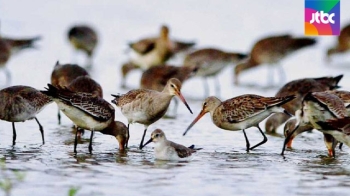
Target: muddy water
222,167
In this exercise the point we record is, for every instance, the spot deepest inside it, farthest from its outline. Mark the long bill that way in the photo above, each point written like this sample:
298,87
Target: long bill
184,101
194,121
288,138
149,141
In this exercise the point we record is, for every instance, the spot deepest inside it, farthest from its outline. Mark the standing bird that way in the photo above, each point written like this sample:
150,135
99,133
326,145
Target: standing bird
210,63
270,51
148,106
318,107
168,150
84,38
88,112
155,78
343,44
63,74
156,55
299,88
21,103
242,112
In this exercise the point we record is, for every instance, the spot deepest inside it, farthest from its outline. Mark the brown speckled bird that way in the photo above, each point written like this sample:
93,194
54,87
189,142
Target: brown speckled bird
300,88
242,112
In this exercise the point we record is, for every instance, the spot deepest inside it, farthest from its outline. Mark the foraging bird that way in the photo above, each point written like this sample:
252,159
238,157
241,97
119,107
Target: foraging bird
299,88
242,112
21,103
210,63
168,150
342,45
318,107
63,75
148,106
84,38
290,125
88,112
271,50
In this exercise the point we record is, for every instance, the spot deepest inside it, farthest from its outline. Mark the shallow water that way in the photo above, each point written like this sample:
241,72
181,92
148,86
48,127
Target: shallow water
222,167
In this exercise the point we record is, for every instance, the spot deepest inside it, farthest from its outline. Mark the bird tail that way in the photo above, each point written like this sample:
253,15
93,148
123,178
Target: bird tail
193,147
19,44
332,82
298,43
61,93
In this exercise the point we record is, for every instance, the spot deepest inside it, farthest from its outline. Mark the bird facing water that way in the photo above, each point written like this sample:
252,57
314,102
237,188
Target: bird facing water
168,150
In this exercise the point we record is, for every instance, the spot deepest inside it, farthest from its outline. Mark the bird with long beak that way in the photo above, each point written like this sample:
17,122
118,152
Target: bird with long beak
242,112
168,150
88,112
146,106
318,107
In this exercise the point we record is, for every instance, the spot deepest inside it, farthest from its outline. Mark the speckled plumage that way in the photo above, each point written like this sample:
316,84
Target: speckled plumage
21,103
241,112
299,88
87,112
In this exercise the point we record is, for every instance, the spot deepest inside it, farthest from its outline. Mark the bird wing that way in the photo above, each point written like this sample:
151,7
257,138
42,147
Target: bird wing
182,151
130,96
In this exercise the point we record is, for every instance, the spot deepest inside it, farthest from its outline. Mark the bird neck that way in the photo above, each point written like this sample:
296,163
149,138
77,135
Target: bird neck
111,129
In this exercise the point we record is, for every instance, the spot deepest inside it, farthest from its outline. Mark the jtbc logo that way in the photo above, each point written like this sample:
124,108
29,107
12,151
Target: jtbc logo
316,17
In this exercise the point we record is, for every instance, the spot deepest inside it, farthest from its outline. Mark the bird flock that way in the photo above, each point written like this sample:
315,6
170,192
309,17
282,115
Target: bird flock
300,105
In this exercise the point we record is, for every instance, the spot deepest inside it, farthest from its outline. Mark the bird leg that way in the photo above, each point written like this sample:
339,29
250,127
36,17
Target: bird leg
270,74
90,143
127,138
8,77
262,142
143,137
41,130
217,86
14,134
76,141
246,140
59,116
206,87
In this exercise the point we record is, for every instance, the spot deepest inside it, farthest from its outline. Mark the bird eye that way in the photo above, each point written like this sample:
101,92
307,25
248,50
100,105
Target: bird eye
172,86
204,104
157,135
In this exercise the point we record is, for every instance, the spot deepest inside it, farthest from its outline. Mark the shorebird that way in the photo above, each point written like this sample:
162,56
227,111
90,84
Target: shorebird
271,50
84,38
63,75
343,44
155,78
299,88
157,55
88,112
168,150
210,63
146,106
242,112
318,107
339,128
153,51
21,103
18,44
290,125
